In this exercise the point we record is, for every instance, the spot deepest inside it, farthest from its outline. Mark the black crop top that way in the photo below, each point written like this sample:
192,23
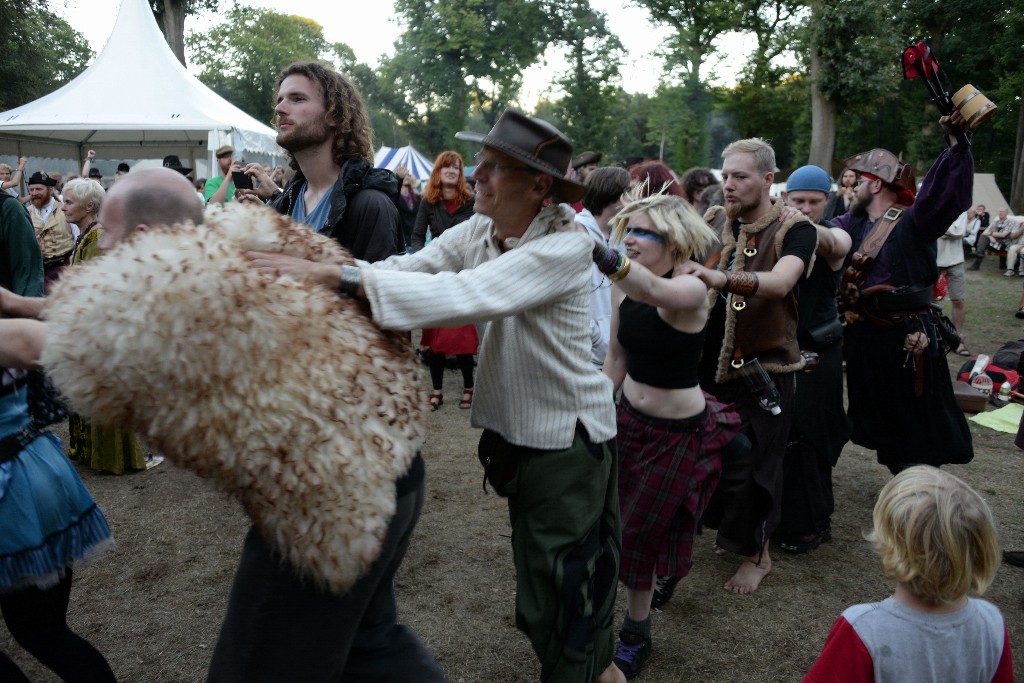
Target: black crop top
657,354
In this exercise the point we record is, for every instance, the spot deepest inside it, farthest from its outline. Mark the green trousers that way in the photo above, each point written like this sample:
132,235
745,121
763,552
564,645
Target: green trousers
564,510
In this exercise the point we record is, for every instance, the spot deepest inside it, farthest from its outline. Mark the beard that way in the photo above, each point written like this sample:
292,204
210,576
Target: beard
40,202
859,206
736,209
303,136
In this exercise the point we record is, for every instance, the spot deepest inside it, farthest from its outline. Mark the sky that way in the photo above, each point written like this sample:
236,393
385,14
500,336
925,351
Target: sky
372,34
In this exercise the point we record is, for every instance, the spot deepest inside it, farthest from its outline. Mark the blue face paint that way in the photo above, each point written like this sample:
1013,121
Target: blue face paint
645,234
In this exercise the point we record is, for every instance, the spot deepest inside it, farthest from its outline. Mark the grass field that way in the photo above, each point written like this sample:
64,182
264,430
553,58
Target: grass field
154,605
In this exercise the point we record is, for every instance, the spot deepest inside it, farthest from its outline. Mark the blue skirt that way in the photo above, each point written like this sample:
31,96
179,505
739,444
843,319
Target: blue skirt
48,521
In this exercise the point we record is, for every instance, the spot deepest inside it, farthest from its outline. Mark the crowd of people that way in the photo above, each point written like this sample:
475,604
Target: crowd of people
645,354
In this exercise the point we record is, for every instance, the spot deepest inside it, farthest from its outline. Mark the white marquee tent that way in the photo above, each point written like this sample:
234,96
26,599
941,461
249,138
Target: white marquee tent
135,101
393,157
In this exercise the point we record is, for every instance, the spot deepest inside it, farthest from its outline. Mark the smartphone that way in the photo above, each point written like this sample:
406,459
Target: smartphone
241,180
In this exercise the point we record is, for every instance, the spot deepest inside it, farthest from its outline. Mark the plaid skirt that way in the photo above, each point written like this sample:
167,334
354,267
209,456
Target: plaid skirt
668,470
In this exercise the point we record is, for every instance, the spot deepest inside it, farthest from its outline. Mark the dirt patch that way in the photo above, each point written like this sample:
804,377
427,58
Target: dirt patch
154,605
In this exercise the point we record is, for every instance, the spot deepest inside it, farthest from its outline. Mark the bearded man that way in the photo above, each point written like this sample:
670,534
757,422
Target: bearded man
900,395
276,625
322,123
221,189
753,322
53,233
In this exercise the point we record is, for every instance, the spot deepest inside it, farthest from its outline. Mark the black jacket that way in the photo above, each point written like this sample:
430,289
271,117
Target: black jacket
437,218
367,223
409,214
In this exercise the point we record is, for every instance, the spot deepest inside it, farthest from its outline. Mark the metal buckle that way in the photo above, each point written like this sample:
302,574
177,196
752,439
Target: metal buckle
738,305
737,363
748,252
893,213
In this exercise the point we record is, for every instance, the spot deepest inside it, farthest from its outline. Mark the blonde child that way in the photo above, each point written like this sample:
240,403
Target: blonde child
937,540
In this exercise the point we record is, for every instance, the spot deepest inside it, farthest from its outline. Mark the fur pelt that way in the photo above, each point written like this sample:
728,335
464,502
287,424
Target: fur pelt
285,393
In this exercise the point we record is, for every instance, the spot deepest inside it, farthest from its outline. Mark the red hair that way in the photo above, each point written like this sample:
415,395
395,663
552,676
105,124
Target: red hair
434,193
654,177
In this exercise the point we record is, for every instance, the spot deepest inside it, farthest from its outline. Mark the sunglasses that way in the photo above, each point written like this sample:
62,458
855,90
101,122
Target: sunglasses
644,234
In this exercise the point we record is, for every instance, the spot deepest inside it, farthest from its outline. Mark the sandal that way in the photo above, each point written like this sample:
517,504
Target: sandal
467,399
436,399
962,351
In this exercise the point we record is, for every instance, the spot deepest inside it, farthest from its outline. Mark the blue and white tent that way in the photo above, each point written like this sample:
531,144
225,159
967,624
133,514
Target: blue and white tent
393,157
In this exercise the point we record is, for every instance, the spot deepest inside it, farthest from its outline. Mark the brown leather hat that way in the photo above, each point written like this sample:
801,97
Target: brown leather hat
585,158
534,142
883,164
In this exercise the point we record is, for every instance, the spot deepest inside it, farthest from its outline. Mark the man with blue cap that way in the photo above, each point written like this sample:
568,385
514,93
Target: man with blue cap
820,429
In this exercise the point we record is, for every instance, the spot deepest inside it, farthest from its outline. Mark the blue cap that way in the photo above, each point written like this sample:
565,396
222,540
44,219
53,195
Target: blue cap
809,178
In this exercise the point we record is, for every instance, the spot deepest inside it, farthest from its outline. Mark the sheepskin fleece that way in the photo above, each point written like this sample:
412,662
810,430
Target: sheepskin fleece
286,394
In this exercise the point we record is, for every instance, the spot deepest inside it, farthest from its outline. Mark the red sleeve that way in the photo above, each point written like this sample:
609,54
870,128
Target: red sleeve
844,659
1004,673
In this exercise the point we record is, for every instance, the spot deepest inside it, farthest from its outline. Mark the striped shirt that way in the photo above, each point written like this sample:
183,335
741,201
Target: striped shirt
532,308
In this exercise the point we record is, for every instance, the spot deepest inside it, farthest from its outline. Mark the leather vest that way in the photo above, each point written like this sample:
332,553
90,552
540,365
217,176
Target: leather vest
765,328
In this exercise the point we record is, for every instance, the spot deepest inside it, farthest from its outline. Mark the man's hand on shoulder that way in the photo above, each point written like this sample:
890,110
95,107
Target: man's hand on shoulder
300,270
787,213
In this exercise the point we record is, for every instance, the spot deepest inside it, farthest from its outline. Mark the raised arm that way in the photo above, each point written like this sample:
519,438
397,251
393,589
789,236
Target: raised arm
89,156
947,189
17,175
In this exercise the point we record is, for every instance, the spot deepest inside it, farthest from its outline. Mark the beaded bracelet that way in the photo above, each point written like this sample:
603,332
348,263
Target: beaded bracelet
604,257
622,272
610,262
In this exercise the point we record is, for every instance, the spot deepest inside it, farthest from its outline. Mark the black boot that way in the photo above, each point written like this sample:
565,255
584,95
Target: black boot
977,263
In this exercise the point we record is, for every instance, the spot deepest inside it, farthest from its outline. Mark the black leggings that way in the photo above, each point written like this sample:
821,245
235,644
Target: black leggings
38,621
437,369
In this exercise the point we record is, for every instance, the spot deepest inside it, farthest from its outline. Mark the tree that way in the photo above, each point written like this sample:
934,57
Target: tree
242,56
459,55
698,24
778,113
170,17
772,24
971,41
853,52
595,55
49,53
1011,94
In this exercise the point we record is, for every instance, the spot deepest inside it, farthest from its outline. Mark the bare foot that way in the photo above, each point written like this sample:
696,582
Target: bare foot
750,574
719,550
612,675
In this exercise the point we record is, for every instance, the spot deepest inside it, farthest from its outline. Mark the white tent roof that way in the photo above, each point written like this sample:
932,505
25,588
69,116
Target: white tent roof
987,192
135,95
393,157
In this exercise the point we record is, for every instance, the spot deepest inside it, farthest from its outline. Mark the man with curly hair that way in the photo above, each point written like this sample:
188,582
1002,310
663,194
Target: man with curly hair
279,627
322,123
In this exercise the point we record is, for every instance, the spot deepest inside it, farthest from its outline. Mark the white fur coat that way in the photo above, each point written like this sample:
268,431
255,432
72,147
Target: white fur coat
286,394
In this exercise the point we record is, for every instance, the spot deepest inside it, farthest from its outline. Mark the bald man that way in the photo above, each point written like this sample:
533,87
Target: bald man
146,198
